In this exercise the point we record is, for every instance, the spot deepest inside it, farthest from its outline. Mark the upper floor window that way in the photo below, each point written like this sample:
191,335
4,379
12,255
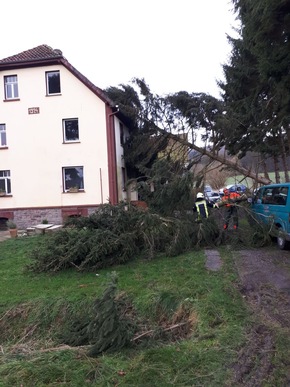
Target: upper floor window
5,183
11,87
52,82
3,141
70,129
73,177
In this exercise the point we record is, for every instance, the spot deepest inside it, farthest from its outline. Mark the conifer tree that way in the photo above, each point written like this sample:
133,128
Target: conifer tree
256,90
108,331
103,326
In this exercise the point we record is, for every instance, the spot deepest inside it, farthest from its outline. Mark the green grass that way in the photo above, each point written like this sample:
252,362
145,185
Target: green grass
202,359
18,285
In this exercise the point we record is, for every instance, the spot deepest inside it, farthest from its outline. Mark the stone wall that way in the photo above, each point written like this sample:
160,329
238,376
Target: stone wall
28,217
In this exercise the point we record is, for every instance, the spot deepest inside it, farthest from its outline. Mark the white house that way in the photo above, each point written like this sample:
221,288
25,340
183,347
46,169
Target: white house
58,131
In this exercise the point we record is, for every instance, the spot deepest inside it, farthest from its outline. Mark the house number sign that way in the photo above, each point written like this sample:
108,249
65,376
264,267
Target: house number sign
33,110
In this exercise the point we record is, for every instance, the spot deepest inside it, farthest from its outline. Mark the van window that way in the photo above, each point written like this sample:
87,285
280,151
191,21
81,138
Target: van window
276,196
258,196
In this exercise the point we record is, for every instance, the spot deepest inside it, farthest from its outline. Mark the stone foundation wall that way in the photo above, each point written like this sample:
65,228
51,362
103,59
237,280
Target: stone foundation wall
28,217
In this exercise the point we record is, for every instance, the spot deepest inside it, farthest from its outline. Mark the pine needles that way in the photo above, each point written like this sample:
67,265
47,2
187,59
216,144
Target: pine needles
104,327
118,234
113,235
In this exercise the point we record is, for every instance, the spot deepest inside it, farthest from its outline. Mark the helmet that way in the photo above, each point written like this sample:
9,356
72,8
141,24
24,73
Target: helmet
200,195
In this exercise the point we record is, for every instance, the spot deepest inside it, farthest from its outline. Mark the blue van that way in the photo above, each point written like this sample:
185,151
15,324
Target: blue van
271,205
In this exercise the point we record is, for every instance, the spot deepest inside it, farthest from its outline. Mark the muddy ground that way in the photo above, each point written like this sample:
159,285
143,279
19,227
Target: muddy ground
265,284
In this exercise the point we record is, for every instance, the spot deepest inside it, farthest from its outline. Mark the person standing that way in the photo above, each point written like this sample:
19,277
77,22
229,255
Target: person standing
201,206
231,210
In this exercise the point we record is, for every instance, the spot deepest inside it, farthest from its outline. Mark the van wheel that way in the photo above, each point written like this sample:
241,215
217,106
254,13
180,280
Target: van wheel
282,243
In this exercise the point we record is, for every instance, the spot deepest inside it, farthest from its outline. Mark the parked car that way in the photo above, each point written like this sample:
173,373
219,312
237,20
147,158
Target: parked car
240,188
207,190
213,197
271,205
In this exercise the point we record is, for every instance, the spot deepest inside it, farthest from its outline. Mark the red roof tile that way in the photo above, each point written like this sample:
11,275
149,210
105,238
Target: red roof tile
38,53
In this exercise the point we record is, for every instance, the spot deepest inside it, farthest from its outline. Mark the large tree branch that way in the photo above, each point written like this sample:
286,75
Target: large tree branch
214,156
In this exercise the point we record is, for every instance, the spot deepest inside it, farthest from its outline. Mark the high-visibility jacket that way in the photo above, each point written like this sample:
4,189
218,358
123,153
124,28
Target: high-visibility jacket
231,196
201,208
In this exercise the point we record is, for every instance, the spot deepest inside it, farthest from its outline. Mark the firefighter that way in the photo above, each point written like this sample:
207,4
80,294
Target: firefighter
231,209
201,206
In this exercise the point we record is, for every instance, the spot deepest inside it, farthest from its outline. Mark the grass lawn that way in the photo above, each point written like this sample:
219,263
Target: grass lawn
32,309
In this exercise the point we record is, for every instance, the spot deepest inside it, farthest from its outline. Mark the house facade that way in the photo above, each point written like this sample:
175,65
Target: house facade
61,141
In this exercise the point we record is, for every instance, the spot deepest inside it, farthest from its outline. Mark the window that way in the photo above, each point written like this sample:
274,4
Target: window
70,130
277,196
5,183
3,141
11,87
52,82
73,177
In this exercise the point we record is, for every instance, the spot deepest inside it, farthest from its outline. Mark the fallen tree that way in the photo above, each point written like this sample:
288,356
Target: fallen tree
215,156
157,124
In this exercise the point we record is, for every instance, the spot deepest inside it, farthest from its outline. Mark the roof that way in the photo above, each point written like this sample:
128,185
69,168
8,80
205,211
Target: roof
44,55
276,185
42,52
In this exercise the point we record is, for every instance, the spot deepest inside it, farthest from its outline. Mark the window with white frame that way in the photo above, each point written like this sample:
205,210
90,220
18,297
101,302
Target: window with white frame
70,129
52,82
73,177
3,141
5,182
11,87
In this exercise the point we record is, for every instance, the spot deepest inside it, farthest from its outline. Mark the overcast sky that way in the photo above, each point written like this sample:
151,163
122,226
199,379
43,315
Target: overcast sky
173,44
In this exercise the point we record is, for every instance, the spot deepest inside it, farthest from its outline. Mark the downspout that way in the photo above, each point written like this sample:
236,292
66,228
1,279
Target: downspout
112,159
101,184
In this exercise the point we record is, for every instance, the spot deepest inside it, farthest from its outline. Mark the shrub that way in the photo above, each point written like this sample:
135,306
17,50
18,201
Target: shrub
11,224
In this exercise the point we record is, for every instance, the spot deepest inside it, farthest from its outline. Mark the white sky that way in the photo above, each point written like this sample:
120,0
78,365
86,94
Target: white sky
173,44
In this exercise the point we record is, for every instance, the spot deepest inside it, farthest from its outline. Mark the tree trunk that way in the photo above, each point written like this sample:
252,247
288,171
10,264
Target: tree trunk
288,136
264,165
276,169
222,159
284,159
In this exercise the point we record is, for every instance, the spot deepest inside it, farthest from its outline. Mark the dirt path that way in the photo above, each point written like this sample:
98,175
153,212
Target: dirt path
265,285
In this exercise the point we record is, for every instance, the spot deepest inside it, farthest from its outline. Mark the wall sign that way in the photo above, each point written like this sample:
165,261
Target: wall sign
33,110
